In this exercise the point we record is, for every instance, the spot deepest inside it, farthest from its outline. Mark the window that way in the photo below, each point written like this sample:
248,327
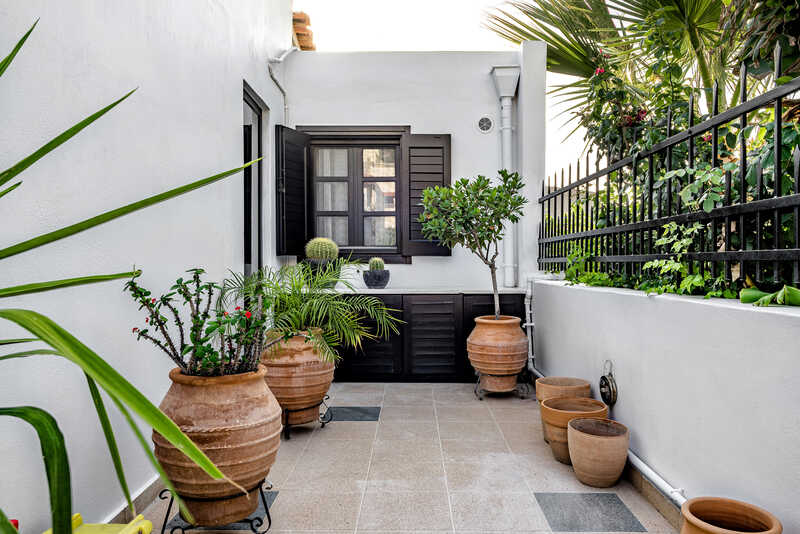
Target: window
251,208
354,195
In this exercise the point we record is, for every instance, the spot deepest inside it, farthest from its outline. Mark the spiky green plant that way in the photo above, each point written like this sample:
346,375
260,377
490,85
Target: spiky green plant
376,264
322,248
99,374
300,303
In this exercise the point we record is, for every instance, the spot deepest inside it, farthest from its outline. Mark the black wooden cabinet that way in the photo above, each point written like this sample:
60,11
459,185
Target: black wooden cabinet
431,345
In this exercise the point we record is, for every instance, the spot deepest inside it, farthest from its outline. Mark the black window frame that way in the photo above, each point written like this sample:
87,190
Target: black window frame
352,137
257,104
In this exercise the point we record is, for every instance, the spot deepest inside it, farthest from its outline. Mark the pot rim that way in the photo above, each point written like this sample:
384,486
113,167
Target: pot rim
599,405
774,524
574,382
504,320
594,420
177,376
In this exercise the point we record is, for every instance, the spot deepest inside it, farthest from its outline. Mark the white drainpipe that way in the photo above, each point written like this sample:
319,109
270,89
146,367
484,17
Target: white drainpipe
274,61
506,78
676,495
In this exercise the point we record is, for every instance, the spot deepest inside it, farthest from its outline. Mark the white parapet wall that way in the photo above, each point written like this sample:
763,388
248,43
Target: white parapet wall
709,388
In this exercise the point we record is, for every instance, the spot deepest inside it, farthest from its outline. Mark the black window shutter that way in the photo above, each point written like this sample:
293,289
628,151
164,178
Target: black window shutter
427,161
291,184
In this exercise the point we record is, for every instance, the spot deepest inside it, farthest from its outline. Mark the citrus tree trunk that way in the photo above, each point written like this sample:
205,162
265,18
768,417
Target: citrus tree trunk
493,269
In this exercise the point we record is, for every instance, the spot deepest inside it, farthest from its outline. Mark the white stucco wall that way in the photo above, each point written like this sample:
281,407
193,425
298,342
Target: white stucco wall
188,58
708,388
434,93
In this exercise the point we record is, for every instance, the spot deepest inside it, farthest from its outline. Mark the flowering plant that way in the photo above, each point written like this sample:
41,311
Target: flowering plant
217,343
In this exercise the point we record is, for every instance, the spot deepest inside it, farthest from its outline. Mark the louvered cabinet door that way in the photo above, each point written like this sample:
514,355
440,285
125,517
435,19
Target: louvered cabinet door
433,334
380,359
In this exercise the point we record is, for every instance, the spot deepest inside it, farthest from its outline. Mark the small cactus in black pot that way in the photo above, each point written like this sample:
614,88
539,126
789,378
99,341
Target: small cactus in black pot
377,276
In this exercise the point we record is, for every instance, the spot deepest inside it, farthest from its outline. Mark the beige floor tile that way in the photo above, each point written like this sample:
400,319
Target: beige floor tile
501,512
515,414
347,430
410,510
399,430
356,399
408,398
359,387
466,413
410,475
646,513
458,398
308,510
407,413
492,472
410,387
325,474
407,450
472,431
459,449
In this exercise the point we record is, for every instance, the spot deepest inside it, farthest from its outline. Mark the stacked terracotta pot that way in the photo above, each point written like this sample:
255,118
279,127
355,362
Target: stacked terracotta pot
554,387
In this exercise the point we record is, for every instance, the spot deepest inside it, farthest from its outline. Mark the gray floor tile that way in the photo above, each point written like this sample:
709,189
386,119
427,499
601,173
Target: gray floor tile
587,512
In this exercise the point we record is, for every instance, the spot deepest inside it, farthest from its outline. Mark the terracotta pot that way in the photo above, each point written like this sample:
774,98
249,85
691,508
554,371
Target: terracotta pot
498,350
236,421
553,387
556,413
715,515
598,449
298,378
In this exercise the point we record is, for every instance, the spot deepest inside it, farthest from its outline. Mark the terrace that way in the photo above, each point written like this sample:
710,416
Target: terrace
380,312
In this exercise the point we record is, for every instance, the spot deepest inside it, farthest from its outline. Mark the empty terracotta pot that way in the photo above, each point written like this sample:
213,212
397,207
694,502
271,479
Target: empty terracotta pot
498,350
598,449
552,387
236,421
556,413
716,515
298,378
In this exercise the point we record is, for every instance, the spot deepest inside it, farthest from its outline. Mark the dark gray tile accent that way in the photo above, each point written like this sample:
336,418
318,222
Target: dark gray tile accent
260,513
354,413
587,512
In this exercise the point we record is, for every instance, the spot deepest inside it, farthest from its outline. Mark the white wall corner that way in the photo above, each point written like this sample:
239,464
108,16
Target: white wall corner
531,148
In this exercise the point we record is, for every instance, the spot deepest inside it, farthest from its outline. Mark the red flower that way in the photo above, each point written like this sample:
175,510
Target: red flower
599,70
147,319
135,330
238,308
226,314
707,136
248,314
152,301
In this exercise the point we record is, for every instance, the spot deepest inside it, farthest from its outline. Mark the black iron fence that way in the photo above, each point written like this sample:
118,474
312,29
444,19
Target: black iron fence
749,220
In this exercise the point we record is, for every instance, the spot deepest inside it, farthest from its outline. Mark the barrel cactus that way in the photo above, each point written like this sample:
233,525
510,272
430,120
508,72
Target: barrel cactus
376,264
322,248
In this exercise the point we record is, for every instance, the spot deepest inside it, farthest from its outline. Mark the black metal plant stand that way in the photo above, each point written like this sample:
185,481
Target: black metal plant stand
522,389
324,417
253,523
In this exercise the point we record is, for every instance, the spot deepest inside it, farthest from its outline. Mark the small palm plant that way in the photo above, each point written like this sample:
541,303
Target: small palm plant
300,302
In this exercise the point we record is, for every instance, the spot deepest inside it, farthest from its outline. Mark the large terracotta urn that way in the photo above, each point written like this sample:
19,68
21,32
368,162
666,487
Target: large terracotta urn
553,387
498,350
556,413
298,378
236,421
716,515
598,449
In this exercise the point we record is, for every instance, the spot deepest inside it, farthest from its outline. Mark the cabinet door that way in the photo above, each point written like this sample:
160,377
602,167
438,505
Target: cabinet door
380,359
433,332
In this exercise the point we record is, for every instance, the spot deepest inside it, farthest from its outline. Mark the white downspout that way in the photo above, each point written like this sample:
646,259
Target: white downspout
275,61
505,81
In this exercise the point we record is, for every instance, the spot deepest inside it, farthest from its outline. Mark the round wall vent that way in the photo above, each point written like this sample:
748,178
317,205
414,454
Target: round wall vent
485,124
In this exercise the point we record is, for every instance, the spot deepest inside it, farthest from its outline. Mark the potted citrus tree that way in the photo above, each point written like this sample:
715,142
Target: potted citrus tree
308,322
218,396
472,214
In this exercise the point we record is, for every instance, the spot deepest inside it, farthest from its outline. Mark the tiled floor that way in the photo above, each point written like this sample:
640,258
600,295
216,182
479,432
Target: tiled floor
437,460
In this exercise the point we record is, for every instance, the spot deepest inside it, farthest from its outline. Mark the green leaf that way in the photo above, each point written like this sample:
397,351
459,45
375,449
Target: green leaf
34,352
57,284
9,189
113,214
18,340
56,465
111,441
57,141
110,380
5,525
10,57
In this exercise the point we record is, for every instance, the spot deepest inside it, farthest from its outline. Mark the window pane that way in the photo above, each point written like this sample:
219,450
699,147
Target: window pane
330,162
379,232
331,196
378,162
333,228
379,196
